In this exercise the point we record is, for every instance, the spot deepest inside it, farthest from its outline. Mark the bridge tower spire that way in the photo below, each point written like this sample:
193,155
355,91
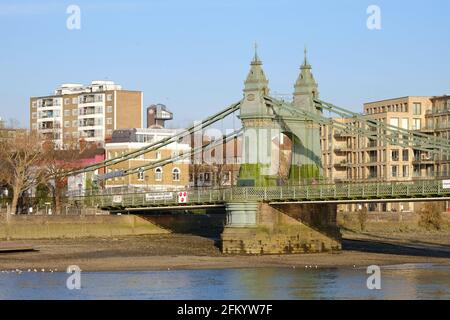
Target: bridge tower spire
257,120
306,88
256,85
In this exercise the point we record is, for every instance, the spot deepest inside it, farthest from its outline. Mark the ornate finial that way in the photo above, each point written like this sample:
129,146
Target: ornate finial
306,55
255,59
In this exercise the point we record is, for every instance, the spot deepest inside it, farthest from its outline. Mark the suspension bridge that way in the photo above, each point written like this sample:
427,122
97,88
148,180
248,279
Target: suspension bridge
266,214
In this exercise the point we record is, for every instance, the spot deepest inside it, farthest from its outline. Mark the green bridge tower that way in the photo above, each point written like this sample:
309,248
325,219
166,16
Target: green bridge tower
265,122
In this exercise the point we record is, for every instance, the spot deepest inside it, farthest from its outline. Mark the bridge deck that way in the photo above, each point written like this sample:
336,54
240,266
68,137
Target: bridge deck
336,193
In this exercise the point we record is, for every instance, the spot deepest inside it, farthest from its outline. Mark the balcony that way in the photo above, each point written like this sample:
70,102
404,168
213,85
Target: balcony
90,98
343,163
91,134
49,103
90,111
423,159
90,122
49,126
341,149
343,134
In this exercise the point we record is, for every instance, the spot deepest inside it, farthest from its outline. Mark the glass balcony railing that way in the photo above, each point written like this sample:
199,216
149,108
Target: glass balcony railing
91,99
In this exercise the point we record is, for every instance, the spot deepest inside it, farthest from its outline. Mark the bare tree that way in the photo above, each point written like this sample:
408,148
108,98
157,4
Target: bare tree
21,161
57,163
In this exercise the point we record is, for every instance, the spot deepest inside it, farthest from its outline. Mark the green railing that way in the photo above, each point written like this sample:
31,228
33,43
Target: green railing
362,191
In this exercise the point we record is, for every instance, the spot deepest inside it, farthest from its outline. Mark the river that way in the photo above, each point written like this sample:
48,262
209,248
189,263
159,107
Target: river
418,281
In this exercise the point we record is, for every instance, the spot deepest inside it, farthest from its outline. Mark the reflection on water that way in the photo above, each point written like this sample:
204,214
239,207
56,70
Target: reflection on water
398,282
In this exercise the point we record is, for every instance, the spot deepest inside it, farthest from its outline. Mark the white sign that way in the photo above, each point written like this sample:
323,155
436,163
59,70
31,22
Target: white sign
158,196
446,184
117,199
182,197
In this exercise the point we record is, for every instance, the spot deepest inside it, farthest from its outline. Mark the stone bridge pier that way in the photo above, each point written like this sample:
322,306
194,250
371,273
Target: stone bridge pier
263,228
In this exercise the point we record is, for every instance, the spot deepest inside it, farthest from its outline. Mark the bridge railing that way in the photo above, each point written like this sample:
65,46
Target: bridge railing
431,188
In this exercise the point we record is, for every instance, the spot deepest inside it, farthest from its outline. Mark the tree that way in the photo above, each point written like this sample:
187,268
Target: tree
431,216
57,163
21,161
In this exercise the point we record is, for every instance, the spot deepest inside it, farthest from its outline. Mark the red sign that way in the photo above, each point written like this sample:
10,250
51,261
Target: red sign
182,197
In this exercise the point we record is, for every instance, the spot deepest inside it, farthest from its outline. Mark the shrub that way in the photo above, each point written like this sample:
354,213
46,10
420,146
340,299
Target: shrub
362,218
431,217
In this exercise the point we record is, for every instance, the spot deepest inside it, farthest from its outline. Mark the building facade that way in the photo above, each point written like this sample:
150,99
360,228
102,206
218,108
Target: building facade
9,133
171,177
90,113
216,167
437,123
157,115
352,158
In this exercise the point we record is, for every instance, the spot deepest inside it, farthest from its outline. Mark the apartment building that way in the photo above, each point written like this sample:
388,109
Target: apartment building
437,123
335,148
352,158
91,113
171,177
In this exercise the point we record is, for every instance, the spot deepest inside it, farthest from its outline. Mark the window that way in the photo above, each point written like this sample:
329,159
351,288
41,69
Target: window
75,134
74,123
417,109
109,121
74,112
394,171
109,97
66,113
66,124
66,101
176,174
34,126
109,132
34,115
395,156
158,174
405,123
140,175
207,176
394,122
74,101
405,155
416,124
109,109
33,104
405,171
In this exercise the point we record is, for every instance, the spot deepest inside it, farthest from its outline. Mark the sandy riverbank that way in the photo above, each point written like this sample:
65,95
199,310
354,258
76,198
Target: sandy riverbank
175,251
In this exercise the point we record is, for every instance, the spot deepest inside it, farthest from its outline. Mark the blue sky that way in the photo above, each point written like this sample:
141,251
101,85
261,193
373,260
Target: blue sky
194,55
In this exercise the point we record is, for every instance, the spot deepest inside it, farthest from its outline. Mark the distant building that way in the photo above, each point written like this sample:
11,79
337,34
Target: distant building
216,167
157,115
171,177
353,158
77,184
437,123
7,133
91,113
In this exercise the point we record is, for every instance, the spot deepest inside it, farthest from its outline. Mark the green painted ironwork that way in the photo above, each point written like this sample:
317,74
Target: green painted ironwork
164,142
320,192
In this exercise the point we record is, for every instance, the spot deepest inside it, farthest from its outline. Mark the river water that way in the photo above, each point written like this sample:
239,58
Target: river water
422,281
